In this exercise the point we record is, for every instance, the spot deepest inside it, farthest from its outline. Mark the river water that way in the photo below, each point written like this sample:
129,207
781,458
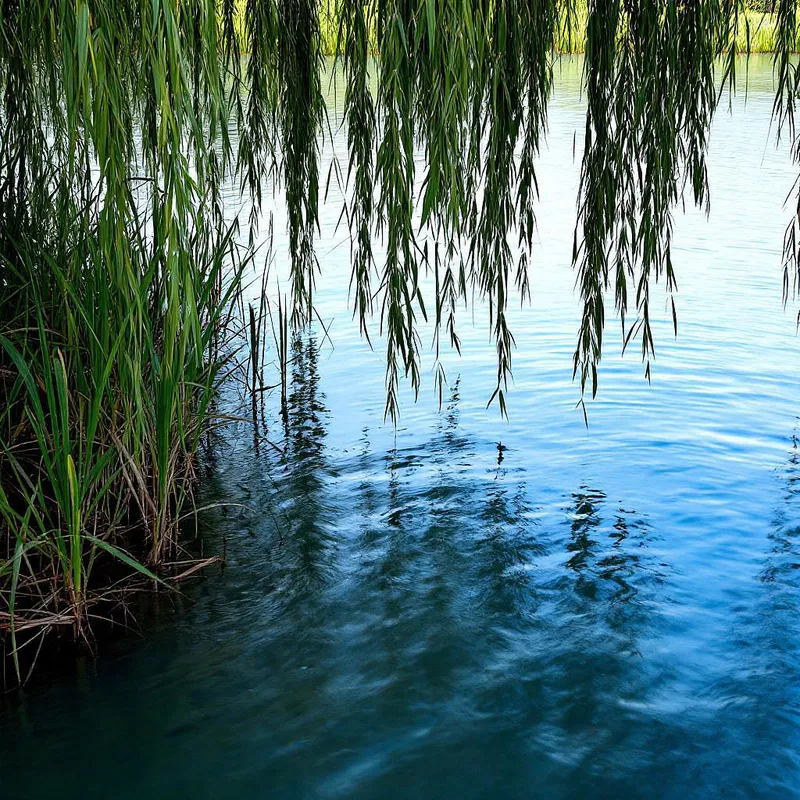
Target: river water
473,607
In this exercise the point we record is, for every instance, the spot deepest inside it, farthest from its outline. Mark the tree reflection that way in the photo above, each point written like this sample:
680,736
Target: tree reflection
426,591
507,549
763,714
305,471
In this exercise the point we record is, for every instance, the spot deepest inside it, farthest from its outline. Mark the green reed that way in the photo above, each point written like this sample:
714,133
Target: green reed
105,379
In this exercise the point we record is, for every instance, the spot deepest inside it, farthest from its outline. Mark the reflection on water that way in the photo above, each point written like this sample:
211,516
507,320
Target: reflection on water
761,696
466,607
304,470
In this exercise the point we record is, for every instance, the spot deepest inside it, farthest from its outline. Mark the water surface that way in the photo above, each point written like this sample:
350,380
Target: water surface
472,607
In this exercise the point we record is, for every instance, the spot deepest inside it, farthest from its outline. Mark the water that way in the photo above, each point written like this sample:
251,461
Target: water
476,608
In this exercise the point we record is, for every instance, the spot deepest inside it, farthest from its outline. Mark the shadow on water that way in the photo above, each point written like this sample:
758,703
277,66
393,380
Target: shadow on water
759,710
305,472
427,621
425,618
454,620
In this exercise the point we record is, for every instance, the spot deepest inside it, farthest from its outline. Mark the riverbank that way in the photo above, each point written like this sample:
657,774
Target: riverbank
756,31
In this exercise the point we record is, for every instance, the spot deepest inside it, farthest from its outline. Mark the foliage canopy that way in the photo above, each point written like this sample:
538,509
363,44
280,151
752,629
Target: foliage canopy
99,94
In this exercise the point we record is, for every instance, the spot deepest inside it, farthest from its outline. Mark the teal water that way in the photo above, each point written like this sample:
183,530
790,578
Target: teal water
472,607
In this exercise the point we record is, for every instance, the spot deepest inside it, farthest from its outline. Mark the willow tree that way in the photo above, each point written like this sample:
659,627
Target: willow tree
147,90
115,139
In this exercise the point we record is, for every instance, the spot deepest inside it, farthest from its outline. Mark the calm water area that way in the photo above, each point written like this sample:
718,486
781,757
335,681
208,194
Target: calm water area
473,607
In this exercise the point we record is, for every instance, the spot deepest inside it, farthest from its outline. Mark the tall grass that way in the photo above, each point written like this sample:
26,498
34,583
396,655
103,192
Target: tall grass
107,372
117,280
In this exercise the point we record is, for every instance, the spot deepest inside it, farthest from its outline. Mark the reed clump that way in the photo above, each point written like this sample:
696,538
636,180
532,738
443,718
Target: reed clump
117,283
108,368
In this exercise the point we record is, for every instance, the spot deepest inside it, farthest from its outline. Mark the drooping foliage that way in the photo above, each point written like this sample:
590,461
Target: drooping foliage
149,89
116,122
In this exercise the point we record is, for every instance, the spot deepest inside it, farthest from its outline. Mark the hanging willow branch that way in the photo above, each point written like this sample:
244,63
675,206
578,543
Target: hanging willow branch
445,107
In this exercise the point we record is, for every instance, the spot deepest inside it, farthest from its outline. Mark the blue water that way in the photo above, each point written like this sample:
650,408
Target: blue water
473,607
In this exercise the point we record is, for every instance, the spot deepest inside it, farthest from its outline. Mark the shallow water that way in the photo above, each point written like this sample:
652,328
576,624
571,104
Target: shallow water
471,607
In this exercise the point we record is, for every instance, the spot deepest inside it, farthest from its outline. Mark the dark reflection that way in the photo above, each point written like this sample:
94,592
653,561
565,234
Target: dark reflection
457,629
414,622
585,519
304,467
462,635
507,548
758,695
782,567
605,605
611,566
779,577
412,571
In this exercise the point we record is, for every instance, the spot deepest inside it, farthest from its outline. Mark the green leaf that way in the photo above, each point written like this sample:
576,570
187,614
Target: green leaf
122,556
